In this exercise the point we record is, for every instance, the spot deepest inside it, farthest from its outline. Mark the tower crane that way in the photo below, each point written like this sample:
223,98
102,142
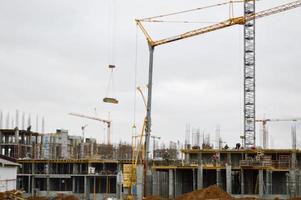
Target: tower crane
108,122
249,135
264,127
249,86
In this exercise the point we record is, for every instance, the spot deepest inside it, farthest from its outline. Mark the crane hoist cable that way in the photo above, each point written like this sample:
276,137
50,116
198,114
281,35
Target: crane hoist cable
110,92
135,80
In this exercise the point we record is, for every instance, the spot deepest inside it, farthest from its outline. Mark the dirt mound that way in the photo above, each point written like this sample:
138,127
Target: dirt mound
37,198
153,198
66,197
211,192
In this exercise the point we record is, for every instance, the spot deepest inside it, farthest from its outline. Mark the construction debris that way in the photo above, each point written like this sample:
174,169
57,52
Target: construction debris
12,195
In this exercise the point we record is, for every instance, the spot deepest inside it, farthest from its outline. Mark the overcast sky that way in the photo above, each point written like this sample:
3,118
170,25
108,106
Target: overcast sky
54,57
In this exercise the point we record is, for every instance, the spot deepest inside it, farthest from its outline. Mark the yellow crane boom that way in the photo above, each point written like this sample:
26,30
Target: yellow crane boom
229,22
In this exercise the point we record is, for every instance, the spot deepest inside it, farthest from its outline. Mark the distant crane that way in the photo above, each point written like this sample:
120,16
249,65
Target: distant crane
108,122
264,127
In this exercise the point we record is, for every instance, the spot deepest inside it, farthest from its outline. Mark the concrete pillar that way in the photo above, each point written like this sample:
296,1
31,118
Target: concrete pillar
229,179
269,182
16,150
155,190
200,158
242,182
16,135
200,177
86,193
149,182
32,179
229,160
170,184
194,181
294,160
0,138
218,178
299,182
287,184
187,159
73,184
178,184
139,181
32,186
47,185
28,188
260,183
292,183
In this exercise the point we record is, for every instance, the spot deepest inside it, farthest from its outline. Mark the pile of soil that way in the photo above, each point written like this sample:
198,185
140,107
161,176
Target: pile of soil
211,192
153,198
66,197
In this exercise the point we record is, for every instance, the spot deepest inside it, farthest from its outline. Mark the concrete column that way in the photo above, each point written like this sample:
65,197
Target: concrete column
200,177
218,178
287,184
194,181
170,184
86,193
242,182
299,182
229,178
294,160
149,182
16,135
32,186
229,160
0,137
178,185
47,168
187,159
73,184
155,190
200,158
292,183
139,180
260,183
16,150
175,183
269,182
119,185
28,188
32,179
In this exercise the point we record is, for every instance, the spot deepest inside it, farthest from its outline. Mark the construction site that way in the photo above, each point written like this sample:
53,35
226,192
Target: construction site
58,164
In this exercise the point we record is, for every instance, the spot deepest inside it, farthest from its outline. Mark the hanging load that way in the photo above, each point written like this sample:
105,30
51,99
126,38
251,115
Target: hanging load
110,88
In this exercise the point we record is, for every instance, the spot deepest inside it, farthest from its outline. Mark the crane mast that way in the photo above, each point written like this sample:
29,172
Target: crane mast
249,75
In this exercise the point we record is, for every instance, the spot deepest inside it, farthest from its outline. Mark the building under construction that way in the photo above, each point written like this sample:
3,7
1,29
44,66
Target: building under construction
60,163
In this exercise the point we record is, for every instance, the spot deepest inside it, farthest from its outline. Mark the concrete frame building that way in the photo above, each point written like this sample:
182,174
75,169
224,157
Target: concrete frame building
257,173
